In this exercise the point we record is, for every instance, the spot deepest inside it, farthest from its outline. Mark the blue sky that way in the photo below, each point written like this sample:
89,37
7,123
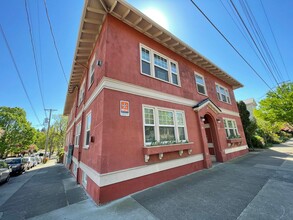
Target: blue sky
183,20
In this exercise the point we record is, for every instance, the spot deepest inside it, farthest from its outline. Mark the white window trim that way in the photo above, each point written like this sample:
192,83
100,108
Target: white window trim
233,121
157,126
77,134
152,65
85,133
91,72
204,85
81,93
219,85
84,179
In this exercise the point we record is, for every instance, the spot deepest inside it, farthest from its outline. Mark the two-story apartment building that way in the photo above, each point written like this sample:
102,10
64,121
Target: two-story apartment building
143,106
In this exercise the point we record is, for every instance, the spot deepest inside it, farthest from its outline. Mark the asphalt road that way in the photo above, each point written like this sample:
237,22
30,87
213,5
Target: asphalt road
256,186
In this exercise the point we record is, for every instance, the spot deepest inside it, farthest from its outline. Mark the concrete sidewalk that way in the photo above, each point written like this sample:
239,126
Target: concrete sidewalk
256,186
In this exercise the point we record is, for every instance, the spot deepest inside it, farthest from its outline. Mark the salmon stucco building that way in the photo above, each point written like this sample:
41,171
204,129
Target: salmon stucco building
143,107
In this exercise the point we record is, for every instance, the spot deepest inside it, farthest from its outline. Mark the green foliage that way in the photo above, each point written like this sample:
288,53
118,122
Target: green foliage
18,133
248,125
257,141
277,107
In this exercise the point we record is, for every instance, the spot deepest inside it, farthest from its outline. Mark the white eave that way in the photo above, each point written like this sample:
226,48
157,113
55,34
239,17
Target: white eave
93,17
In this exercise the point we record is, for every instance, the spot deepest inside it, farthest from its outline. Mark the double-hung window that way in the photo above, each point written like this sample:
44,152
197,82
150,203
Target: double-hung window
163,125
77,134
231,128
91,73
81,93
158,66
200,84
87,130
223,94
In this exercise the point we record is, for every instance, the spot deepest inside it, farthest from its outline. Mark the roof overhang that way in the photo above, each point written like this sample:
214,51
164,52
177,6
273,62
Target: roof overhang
207,102
93,17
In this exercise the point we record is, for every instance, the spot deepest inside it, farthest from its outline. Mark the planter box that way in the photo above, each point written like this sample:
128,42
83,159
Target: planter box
160,150
234,141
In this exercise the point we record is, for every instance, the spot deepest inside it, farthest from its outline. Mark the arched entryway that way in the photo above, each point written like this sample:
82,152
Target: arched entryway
211,137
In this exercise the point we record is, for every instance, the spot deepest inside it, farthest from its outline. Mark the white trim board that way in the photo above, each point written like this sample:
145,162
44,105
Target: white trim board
116,85
235,149
106,179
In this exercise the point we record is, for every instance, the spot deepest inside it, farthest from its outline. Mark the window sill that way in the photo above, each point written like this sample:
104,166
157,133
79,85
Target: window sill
86,147
160,150
76,146
144,74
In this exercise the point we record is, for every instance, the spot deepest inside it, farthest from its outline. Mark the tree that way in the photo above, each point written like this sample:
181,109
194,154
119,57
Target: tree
18,133
249,126
278,106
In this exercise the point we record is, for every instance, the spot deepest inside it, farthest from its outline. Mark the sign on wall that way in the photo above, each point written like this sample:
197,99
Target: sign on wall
124,108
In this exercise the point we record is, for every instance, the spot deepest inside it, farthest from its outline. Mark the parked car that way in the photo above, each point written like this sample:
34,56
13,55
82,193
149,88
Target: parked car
26,163
34,160
17,164
29,161
5,171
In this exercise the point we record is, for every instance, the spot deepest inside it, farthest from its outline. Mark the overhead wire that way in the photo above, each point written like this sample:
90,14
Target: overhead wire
254,42
243,58
261,39
18,74
243,34
54,41
34,55
280,54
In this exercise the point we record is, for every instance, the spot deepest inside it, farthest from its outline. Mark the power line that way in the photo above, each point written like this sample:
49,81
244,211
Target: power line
261,39
55,45
255,44
243,34
230,44
19,76
275,39
34,53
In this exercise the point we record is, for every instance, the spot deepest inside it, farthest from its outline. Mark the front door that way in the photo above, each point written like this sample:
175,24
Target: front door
210,141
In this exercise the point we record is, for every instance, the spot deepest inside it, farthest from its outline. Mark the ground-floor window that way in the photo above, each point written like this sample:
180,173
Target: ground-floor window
231,128
163,125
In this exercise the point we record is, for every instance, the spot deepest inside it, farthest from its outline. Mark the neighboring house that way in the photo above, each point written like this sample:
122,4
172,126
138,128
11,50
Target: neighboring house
250,105
143,106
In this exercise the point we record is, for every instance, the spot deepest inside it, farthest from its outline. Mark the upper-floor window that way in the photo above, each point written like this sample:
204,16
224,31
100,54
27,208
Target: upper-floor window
158,66
230,128
77,134
200,84
223,94
91,71
87,130
163,125
81,93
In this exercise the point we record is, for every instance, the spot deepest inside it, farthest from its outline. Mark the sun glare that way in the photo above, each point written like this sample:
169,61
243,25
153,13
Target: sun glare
157,16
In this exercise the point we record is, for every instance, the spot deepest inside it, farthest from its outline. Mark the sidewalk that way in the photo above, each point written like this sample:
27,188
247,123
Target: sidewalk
255,186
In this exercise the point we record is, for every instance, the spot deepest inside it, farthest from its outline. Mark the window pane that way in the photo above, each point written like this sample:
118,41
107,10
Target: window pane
173,68
224,98
230,124
160,61
199,79
149,116
181,133
174,79
227,134
149,133
232,132
167,134
166,118
145,54
161,73
201,89
87,140
145,67
179,116
88,122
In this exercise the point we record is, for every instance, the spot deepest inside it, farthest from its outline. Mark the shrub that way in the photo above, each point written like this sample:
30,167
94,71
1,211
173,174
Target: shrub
257,142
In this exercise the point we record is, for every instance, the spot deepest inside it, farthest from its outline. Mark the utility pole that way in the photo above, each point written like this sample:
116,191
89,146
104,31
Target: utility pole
47,136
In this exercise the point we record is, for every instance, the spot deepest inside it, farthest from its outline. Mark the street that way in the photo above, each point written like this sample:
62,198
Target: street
256,186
